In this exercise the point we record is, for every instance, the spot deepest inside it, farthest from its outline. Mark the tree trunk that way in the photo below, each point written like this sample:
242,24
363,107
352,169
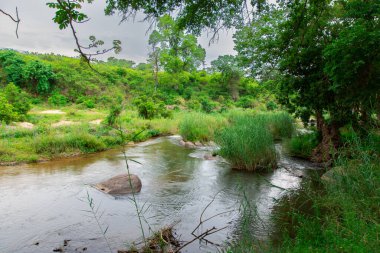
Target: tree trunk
326,150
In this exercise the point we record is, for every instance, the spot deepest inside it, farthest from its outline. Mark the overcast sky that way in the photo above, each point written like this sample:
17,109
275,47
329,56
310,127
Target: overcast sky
38,33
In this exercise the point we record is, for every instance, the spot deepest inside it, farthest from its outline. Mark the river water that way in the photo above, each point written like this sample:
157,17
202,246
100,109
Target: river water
41,205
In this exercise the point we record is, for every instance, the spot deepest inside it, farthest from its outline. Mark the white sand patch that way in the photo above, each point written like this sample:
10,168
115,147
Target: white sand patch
96,122
63,123
52,112
27,125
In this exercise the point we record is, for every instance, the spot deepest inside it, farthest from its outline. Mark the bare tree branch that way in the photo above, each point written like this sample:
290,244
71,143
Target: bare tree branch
17,19
68,7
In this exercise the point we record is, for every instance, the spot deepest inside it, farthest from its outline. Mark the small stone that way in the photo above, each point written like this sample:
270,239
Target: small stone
182,142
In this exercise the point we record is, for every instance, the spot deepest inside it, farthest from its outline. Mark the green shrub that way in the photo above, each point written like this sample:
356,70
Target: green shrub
247,144
302,145
7,113
194,105
271,106
57,99
88,102
200,126
113,115
207,104
18,99
149,108
246,102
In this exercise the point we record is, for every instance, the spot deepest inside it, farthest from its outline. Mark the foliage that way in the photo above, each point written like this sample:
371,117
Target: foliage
176,50
40,75
57,99
306,46
18,99
15,103
248,144
7,113
149,108
231,73
113,115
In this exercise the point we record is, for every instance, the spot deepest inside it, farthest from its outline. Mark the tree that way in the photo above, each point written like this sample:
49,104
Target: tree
120,62
326,60
175,50
231,73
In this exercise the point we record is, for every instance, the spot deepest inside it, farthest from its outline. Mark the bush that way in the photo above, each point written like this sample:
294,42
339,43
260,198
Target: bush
18,99
57,99
200,127
271,106
7,113
113,115
207,104
149,108
302,145
248,144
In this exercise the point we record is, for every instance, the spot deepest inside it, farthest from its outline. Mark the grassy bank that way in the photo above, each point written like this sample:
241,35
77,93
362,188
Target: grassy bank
338,212
69,131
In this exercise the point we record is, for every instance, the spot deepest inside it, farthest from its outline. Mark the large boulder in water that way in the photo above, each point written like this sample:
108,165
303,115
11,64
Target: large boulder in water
120,184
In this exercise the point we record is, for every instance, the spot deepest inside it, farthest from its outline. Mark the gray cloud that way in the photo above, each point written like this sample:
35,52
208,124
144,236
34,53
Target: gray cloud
38,33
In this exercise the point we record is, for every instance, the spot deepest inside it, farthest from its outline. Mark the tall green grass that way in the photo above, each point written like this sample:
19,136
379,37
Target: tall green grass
200,126
280,124
302,145
343,213
248,144
57,144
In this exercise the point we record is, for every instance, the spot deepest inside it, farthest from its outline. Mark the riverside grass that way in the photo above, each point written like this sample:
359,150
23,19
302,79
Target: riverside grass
248,144
301,145
202,127
338,215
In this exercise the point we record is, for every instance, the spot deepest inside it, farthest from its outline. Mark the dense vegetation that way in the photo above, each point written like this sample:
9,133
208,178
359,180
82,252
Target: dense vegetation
318,60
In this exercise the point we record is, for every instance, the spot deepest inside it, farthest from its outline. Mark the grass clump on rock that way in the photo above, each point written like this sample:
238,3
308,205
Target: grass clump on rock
248,144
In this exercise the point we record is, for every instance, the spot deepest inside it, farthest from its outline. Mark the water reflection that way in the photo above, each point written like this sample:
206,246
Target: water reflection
43,202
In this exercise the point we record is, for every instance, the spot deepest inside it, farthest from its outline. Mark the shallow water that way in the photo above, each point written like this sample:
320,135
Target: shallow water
46,204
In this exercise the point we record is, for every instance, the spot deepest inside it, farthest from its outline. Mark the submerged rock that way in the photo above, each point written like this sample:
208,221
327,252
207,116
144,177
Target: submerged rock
120,184
209,157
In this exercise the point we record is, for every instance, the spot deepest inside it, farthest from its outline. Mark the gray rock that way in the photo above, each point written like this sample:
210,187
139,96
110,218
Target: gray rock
182,143
120,184
198,144
209,157
189,144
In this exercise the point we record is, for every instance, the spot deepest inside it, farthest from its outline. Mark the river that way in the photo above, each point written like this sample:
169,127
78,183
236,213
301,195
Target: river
46,203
